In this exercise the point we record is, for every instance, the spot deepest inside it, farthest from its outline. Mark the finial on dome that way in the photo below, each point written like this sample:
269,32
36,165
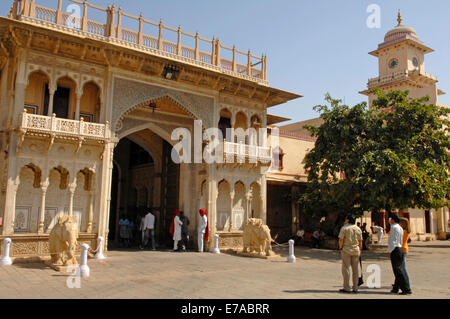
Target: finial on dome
399,18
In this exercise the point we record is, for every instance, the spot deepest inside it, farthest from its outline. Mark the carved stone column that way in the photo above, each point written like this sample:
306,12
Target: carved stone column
51,93
230,228
10,206
72,188
248,210
44,187
77,109
90,212
262,215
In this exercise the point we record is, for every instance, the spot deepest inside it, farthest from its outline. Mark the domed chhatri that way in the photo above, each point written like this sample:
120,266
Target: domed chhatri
401,32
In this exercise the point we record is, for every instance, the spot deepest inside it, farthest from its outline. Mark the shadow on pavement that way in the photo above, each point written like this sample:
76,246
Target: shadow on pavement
33,265
306,253
336,291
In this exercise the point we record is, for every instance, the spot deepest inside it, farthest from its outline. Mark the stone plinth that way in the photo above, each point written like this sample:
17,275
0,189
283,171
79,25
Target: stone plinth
34,247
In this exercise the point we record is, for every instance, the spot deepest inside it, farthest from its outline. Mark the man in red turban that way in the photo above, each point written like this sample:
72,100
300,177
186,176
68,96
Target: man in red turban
203,229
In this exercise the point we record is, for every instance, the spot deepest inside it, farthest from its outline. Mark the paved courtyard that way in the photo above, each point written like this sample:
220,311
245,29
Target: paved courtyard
170,275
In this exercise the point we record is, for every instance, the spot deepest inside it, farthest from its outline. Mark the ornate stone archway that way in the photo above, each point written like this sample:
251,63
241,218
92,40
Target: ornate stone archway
129,95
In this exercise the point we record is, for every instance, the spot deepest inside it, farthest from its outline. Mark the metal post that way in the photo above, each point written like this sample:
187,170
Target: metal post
291,257
216,249
6,260
84,268
99,254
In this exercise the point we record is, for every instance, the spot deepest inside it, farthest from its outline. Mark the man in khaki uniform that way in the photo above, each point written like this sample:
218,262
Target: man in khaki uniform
350,244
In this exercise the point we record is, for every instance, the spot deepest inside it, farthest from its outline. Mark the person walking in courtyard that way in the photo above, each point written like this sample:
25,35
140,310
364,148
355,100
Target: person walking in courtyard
404,223
124,231
365,235
395,243
203,229
184,231
149,230
175,229
350,244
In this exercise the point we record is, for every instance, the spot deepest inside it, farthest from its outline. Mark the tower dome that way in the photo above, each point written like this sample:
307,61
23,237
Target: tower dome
400,33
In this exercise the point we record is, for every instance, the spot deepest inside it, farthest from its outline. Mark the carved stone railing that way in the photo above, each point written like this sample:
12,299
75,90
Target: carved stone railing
374,82
113,32
240,152
60,126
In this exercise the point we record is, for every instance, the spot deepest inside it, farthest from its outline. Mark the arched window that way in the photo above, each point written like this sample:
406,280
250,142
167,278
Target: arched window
224,122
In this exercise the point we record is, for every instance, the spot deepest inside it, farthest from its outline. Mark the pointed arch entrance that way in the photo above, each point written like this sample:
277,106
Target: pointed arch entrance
145,177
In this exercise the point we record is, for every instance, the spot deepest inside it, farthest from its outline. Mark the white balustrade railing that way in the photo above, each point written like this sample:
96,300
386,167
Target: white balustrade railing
62,126
30,11
169,47
150,42
188,53
246,151
45,14
226,64
71,21
205,57
95,28
130,36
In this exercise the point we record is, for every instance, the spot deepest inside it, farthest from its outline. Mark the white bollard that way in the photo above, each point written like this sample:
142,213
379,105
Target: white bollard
84,268
291,257
216,249
6,260
99,254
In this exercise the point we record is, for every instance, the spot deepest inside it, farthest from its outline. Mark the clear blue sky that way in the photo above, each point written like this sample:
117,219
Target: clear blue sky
313,47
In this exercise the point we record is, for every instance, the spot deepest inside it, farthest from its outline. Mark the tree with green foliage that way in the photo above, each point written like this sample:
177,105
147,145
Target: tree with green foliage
393,155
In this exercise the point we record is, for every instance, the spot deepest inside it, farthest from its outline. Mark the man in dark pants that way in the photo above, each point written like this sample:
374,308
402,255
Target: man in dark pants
395,254
184,231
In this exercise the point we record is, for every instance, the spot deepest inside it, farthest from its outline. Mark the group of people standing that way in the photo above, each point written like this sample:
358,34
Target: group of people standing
351,246
180,231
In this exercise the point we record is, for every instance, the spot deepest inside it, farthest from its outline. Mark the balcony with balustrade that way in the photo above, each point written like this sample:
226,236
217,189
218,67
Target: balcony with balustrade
244,153
52,127
400,76
239,63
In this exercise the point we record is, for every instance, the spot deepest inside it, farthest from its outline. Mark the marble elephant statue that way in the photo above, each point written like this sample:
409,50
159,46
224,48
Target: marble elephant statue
257,238
63,241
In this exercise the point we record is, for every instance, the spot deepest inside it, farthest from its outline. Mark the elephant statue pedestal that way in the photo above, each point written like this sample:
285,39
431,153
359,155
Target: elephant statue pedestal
63,244
257,240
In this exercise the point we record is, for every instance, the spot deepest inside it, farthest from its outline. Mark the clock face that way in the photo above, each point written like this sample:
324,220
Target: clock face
415,62
393,63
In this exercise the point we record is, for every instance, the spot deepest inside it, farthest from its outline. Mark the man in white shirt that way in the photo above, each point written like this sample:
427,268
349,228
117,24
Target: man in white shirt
395,254
148,226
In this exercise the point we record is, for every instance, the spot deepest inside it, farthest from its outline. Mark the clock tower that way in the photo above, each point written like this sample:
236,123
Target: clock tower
401,65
